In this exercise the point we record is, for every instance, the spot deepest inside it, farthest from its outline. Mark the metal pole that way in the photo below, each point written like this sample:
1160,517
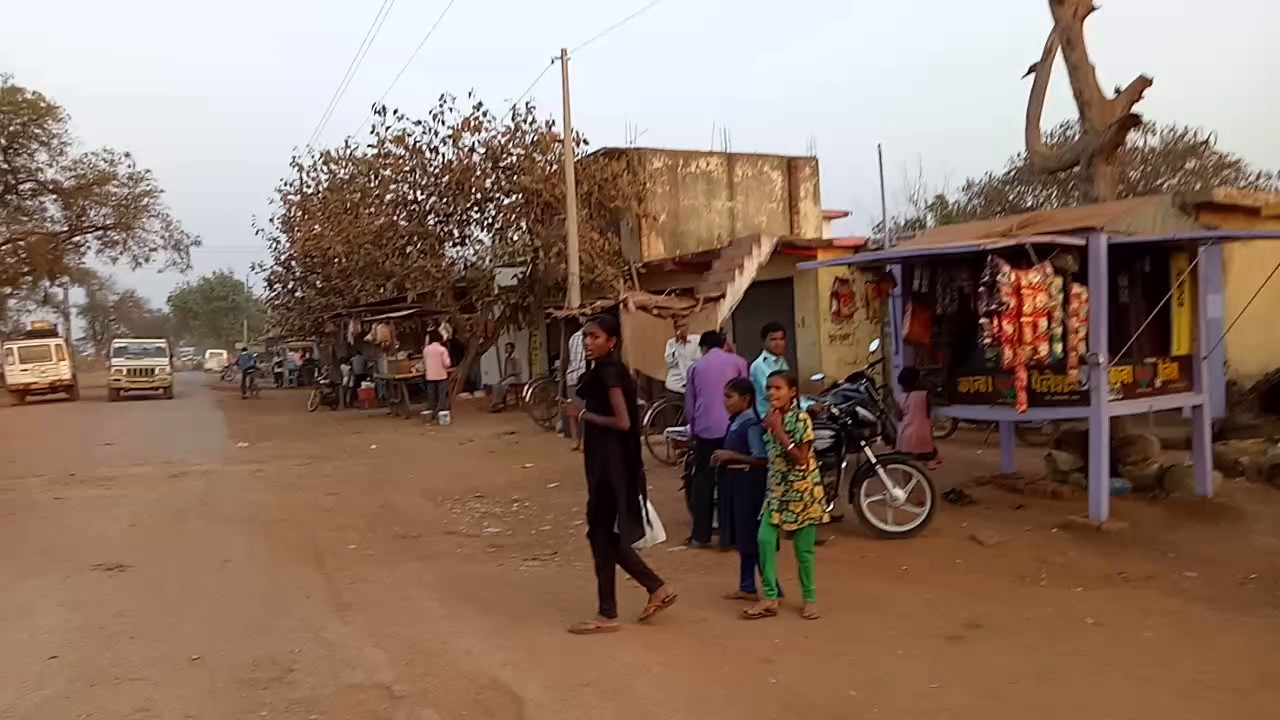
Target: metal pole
570,191
884,206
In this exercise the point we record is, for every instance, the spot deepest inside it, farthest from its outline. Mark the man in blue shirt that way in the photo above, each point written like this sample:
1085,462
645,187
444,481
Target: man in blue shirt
247,363
772,359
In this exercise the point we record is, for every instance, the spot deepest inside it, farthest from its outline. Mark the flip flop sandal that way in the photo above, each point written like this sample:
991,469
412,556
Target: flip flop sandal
591,627
739,595
810,615
752,613
656,607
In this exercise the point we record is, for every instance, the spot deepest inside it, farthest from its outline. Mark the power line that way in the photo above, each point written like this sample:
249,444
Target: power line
371,34
580,46
533,84
406,65
617,25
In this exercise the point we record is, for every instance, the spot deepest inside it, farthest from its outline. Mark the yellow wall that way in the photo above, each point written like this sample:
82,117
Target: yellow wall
1253,346
843,343
698,201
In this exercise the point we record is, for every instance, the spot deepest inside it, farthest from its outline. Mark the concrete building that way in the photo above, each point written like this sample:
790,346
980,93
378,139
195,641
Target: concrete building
698,204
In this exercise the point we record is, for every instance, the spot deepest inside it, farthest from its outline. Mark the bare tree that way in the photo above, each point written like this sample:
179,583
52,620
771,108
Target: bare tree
1105,122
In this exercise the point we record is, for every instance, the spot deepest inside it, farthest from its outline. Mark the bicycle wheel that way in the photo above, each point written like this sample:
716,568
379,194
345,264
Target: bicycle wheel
542,404
662,415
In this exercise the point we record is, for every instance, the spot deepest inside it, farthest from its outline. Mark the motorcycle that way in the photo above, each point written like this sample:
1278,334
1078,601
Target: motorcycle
324,392
848,419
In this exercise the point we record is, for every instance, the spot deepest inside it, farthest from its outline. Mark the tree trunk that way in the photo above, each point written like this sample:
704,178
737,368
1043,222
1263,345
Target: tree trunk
1106,179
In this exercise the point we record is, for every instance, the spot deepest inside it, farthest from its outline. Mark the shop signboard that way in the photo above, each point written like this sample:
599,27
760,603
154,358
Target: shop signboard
1052,387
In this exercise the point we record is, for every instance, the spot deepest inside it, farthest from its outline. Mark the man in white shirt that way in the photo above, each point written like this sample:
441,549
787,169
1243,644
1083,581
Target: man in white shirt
682,352
573,375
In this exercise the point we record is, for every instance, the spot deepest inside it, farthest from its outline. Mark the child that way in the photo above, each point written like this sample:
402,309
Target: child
795,502
743,478
915,433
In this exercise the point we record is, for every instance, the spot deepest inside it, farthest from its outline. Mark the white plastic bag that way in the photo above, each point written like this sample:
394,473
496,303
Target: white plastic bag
654,532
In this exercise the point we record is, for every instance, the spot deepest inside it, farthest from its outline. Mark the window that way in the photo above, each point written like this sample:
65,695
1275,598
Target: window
139,351
8,356
34,354
61,353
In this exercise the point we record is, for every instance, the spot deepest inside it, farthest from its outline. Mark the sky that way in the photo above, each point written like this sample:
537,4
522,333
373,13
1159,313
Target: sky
214,97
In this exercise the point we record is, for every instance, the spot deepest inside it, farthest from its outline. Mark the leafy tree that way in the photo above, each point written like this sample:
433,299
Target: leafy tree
431,208
108,312
1158,159
212,309
60,208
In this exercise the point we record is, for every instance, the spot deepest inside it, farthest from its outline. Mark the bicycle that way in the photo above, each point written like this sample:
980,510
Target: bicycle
662,414
541,400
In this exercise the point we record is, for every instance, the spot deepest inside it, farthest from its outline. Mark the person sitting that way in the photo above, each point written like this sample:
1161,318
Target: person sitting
509,367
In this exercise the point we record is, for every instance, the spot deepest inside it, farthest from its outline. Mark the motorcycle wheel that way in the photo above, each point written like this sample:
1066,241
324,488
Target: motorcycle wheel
944,427
902,520
313,401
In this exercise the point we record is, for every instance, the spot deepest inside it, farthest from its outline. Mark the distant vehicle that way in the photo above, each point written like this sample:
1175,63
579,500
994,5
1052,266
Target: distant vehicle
215,360
139,365
37,362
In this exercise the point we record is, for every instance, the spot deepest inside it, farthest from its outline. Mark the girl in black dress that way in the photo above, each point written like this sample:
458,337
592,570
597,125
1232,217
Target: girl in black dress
616,490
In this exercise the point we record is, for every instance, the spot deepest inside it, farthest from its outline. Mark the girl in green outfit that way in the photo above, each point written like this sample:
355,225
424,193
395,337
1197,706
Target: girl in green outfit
795,504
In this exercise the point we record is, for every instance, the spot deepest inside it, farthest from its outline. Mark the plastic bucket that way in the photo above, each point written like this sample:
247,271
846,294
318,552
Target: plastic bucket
443,417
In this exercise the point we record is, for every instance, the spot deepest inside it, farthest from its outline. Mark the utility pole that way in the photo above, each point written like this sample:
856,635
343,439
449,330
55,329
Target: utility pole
884,207
570,191
68,335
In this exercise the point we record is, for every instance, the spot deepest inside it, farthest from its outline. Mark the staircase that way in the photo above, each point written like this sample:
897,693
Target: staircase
734,270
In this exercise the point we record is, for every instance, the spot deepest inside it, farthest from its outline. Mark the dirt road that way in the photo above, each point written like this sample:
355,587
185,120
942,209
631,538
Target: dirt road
348,565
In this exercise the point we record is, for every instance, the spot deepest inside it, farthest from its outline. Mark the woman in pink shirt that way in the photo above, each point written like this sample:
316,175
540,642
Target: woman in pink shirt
435,358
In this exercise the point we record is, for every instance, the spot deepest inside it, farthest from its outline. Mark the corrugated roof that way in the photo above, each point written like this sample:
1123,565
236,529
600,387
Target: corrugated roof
1153,215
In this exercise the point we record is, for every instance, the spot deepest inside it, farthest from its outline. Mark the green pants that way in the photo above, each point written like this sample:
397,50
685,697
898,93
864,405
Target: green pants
803,540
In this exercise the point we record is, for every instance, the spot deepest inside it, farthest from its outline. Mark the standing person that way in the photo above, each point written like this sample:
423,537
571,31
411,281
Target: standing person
915,432
795,504
277,368
573,377
616,488
681,353
773,358
347,392
359,370
708,420
247,363
509,369
743,478
436,364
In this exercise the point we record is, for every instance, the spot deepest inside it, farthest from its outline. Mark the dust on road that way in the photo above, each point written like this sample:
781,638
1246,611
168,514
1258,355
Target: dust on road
347,565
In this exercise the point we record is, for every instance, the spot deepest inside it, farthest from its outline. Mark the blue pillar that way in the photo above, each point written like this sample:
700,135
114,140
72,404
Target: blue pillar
1099,392
1201,370
1209,303
1007,441
897,311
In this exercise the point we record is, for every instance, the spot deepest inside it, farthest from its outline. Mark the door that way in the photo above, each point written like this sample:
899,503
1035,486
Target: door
765,301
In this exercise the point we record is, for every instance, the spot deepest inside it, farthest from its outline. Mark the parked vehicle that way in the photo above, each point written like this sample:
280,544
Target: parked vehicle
38,362
215,360
139,365
324,392
891,494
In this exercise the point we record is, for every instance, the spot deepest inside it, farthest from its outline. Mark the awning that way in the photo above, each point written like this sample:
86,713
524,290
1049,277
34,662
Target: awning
911,250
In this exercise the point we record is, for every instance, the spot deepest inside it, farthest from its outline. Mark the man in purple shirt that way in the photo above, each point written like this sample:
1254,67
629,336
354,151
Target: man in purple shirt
708,421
